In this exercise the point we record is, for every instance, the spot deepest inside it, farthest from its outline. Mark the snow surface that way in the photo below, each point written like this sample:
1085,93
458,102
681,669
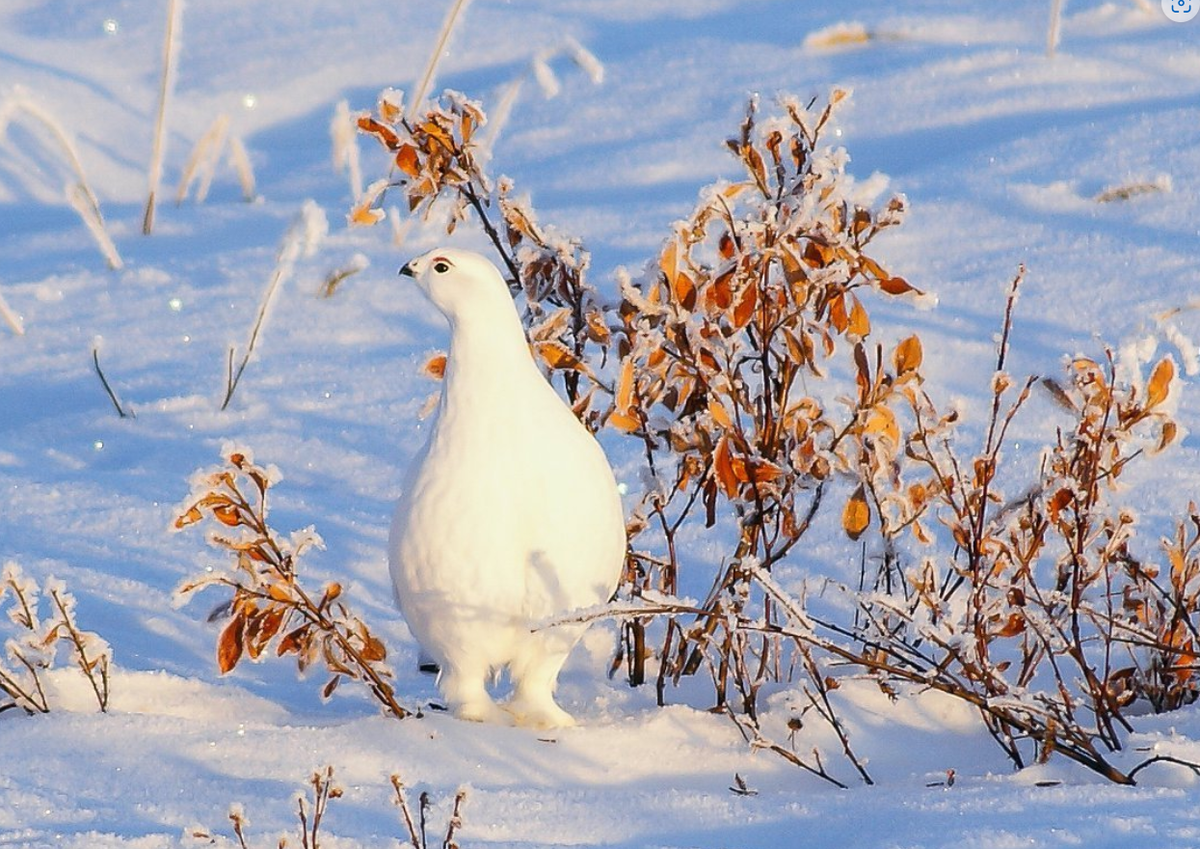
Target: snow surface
1000,151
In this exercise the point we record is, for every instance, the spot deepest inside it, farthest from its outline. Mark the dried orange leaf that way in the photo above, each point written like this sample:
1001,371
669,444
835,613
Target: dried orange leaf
838,316
723,468
720,414
624,422
229,645
897,286
407,160
860,324
746,305
1169,431
908,355
373,650
685,291
881,422
365,215
1160,383
227,514
558,356
435,366
856,516
624,397
191,517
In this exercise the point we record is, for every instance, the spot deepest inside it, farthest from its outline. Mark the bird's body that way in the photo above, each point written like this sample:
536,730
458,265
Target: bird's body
510,514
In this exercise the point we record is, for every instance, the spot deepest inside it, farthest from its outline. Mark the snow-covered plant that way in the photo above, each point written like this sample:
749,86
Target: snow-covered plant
33,650
417,833
721,354
438,157
724,346
270,609
1032,615
1166,607
313,804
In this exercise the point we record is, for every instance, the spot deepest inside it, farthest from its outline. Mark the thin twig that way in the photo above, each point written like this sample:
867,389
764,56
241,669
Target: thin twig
112,396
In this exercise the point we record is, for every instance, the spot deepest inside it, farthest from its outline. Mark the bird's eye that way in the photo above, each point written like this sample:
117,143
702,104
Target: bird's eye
441,267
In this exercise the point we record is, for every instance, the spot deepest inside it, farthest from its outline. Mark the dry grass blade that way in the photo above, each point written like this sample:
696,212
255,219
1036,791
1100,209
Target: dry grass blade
202,162
154,172
11,318
302,237
80,200
421,89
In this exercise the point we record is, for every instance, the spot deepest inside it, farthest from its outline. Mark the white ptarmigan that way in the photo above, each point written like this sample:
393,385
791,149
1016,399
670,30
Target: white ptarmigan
510,514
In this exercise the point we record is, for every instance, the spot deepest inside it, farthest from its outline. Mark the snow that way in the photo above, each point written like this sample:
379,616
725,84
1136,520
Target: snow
1000,152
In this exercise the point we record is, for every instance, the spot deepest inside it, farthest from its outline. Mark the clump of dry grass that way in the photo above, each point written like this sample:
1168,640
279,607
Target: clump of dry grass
79,194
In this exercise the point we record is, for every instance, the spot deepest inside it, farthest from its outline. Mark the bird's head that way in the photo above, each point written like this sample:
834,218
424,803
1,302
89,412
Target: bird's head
459,282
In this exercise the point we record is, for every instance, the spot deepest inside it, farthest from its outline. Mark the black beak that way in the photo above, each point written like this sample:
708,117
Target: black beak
407,270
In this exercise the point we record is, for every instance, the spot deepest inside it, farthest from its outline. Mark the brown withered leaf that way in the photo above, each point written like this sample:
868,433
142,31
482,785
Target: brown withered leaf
624,421
369,125
764,471
862,372
1159,386
746,306
723,468
624,397
435,366
685,291
818,255
719,295
908,355
1014,625
268,623
838,316
720,414
558,356
1057,502
373,649
860,324
1169,430
881,422
294,641
668,261
190,517
897,286
330,686
408,161
856,515
230,643
332,591
227,514
1059,394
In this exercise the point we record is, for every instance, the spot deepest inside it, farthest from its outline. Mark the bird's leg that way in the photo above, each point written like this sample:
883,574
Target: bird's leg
467,697
532,703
